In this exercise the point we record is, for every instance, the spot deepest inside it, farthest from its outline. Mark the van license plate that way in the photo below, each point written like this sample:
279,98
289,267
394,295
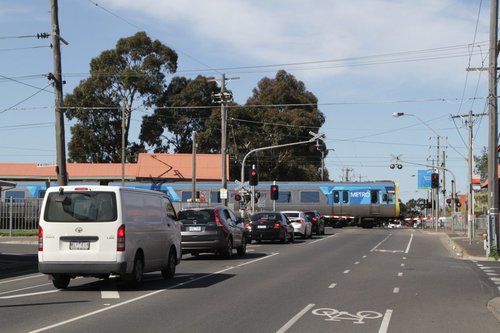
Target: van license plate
194,228
79,245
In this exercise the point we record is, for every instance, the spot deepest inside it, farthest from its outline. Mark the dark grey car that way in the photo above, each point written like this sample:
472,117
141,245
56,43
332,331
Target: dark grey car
215,230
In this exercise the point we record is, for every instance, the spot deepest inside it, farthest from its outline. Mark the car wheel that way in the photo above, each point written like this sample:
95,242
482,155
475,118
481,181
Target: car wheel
292,238
242,250
169,271
134,279
61,281
228,251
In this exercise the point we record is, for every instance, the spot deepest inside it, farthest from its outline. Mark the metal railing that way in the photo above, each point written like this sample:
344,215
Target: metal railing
19,214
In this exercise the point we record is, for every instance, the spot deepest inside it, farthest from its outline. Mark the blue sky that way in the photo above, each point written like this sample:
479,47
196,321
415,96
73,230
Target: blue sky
363,59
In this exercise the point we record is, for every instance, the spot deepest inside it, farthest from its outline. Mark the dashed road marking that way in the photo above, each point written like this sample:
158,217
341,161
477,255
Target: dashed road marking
395,290
332,286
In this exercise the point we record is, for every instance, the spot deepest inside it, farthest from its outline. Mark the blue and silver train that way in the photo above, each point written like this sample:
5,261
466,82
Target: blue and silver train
366,204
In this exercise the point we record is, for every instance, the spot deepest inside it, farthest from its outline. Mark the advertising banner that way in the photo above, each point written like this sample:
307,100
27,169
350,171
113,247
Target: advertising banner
424,179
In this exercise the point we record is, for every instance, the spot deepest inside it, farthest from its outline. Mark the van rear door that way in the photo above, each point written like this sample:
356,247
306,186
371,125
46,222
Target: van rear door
80,225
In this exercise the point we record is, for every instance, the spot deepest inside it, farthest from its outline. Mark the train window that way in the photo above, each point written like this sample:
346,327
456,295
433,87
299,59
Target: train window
215,196
309,196
336,197
345,197
374,196
284,196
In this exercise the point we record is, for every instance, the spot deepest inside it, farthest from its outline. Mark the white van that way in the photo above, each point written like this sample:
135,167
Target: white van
102,230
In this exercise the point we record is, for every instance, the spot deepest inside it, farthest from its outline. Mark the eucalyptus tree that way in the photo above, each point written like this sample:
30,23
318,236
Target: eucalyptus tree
130,76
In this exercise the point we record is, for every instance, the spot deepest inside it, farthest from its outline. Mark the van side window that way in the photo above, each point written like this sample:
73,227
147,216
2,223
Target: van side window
170,208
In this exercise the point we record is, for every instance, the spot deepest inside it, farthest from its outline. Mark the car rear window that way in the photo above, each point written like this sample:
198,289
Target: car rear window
81,206
292,214
265,217
196,216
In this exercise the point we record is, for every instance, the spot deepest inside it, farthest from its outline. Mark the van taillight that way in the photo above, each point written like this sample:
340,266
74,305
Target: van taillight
217,218
120,239
40,239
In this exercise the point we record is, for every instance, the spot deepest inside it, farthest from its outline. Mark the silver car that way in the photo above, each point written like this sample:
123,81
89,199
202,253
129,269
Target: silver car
215,230
301,223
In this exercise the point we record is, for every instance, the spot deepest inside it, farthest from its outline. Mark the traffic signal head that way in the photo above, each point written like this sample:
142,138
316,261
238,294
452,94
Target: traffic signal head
237,197
435,180
458,204
275,192
254,179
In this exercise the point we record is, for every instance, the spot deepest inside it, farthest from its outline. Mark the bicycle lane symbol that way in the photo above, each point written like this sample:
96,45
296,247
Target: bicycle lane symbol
336,315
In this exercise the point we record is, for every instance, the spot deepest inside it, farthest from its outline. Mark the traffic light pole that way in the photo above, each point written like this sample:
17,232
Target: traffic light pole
318,136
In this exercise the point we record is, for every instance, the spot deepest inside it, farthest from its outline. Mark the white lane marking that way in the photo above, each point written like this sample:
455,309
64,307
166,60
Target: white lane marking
23,278
295,318
31,294
404,258
347,271
332,286
259,259
409,244
364,257
107,294
402,265
90,314
383,240
400,274
26,288
320,239
356,263
385,322
395,290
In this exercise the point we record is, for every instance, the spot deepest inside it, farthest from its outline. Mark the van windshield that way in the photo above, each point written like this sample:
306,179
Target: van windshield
81,206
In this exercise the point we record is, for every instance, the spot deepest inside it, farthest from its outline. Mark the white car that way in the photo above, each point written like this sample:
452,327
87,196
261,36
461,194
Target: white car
394,225
301,223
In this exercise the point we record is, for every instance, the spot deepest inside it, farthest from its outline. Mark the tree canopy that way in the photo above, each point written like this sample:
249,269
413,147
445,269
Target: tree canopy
132,73
280,111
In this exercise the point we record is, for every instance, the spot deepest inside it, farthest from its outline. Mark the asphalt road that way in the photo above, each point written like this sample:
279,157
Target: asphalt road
355,280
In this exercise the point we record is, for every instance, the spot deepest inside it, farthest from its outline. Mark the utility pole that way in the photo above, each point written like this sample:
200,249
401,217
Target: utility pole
193,177
62,175
223,98
493,230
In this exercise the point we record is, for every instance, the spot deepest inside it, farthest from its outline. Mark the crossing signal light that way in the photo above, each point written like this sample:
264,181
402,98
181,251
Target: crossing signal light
254,180
237,197
435,180
458,204
275,192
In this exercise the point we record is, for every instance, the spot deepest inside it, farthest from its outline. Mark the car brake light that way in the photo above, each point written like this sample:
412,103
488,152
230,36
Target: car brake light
248,226
277,225
120,239
217,218
315,219
300,220
40,239
81,188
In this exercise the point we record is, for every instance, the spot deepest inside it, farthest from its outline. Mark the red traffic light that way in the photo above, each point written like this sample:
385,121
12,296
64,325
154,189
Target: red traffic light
237,197
275,192
254,179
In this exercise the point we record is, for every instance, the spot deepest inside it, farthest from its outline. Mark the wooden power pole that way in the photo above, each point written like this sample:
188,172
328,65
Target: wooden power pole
62,175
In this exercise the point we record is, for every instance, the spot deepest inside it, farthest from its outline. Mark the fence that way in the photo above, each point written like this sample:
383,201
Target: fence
19,214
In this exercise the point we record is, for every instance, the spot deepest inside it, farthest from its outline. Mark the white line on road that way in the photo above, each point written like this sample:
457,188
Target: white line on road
90,314
400,274
320,239
23,278
385,322
356,263
383,240
402,265
332,286
31,294
26,288
347,271
295,318
409,244
395,290
106,294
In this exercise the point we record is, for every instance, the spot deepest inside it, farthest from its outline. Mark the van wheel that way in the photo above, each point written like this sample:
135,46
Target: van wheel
169,271
61,281
134,279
